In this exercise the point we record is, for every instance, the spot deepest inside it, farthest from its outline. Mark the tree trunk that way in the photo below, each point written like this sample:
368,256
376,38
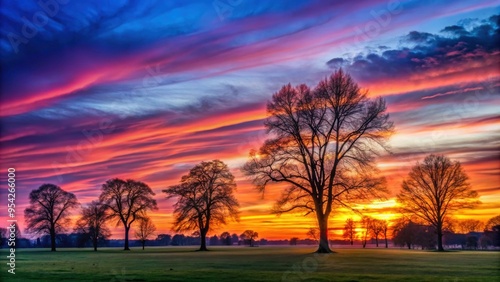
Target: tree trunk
376,241
52,239
323,235
386,245
143,243
203,236
440,240
352,242
126,248
95,243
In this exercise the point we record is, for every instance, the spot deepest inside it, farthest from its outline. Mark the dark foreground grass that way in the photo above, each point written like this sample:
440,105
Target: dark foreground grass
251,264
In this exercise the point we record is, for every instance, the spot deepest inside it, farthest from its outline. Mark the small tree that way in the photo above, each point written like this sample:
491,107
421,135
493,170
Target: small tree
492,222
225,238
214,240
249,235
385,229
350,230
434,189
404,232
205,199
49,211
366,223
234,238
313,233
492,230
127,201
145,229
376,228
92,223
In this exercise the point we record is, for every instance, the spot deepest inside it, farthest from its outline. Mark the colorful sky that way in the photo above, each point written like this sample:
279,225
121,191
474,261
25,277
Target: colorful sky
146,90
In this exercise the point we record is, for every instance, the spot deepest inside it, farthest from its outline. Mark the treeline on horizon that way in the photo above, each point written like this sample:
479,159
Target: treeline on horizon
323,143
464,234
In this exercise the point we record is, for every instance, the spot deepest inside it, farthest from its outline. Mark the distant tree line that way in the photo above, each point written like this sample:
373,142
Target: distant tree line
412,232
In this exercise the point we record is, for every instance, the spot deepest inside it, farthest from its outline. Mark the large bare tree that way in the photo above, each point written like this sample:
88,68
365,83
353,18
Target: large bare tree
205,199
434,189
322,143
127,201
145,230
92,223
49,211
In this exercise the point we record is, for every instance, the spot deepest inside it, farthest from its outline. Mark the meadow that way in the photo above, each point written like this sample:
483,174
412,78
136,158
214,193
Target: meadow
265,263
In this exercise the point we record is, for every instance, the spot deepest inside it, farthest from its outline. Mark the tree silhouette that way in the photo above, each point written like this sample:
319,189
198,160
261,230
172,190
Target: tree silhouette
205,198
469,225
406,232
313,233
225,238
126,201
366,224
323,146
214,240
92,223
385,228
145,229
49,211
350,230
434,189
376,228
249,235
492,222
234,238
492,230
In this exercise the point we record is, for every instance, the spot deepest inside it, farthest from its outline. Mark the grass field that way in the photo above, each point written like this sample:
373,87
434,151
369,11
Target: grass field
251,264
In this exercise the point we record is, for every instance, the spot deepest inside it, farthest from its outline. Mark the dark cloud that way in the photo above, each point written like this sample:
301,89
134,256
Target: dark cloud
420,37
455,30
454,46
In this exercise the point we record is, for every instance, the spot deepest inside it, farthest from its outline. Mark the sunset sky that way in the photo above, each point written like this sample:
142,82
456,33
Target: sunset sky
143,90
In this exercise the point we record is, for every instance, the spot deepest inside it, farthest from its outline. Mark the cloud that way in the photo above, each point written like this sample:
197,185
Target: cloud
427,58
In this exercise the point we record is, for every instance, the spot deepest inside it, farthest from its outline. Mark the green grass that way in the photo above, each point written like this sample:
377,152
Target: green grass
251,264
